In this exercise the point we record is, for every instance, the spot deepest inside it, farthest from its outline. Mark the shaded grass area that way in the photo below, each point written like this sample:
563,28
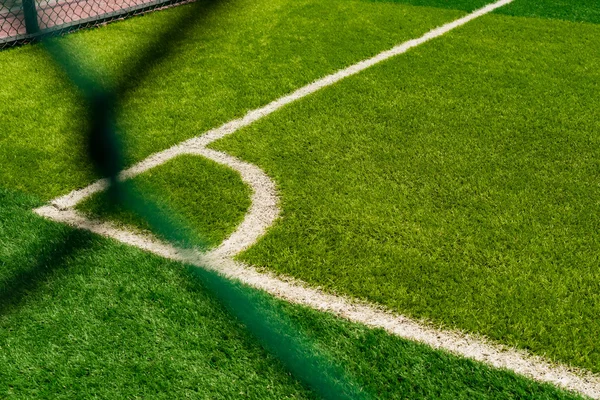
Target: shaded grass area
95,319
577,11
458,183
243,55
215,199
465,5
83,317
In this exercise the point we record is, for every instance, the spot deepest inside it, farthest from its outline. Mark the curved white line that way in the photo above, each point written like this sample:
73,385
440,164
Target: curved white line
264,211
71,199
470,346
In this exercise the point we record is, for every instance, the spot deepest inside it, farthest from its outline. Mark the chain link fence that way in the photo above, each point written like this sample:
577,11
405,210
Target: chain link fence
57,17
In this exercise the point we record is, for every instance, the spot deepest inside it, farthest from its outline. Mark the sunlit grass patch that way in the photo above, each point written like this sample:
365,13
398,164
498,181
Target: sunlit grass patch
205,197
241,56
458,183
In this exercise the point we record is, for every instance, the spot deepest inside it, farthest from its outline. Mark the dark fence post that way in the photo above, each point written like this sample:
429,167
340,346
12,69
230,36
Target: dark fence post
31,22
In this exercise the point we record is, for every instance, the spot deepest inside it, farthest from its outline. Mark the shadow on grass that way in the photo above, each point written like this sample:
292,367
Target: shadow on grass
16,289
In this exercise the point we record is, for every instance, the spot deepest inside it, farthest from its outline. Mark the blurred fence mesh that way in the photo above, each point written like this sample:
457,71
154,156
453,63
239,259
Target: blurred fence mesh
26,20
62,16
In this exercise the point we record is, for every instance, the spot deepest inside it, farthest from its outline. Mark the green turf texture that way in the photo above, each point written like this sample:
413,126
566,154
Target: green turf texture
458,183
243,55
217,76
569,10
85,317
216,200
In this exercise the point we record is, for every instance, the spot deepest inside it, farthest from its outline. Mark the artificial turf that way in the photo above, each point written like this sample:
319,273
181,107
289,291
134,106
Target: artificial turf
457,183
216,200
428,236
86,317
240,56
577,11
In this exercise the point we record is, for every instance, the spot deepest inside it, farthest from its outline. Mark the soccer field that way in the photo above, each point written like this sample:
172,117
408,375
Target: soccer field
437,203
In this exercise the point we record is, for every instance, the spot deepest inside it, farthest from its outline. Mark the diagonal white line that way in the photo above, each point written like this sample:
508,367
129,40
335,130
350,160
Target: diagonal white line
71,199
264,211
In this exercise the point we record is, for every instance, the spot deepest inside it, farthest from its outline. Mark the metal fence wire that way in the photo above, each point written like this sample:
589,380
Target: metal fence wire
57,17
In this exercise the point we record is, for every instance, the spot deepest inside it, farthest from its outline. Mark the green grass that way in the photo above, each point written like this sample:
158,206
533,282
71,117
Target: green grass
455,183
214,199
570,10
243,55
465,5
458,183
85,317
578,11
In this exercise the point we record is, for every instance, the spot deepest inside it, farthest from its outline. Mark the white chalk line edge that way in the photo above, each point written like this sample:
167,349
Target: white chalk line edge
263,212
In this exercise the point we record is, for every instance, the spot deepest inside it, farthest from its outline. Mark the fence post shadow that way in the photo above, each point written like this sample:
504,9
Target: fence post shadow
16,290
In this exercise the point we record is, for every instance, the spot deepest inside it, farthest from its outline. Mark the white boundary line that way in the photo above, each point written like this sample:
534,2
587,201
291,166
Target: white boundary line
264,211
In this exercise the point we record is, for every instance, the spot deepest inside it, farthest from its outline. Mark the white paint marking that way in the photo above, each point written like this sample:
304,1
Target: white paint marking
264,211
297,292
73,198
